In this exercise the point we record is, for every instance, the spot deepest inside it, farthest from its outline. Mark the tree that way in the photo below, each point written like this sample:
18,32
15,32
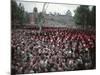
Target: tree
41,18
18,15
81,16
35,13
41,21
21,14
93,16
69,13
27,17
14,11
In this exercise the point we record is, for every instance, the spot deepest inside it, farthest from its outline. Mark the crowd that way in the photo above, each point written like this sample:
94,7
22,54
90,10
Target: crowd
52,50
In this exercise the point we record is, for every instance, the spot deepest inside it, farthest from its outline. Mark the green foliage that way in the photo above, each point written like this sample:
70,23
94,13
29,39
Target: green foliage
35,10
14,11
93,16
84,16
18,15
35,13
69,13
40,18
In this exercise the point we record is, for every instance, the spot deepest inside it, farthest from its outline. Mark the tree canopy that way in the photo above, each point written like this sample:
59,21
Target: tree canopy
18,14
84,16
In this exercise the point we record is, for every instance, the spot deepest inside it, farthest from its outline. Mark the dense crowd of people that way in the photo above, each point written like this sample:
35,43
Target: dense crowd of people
52,50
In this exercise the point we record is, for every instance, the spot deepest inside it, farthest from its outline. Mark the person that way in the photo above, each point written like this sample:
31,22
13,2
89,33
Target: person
55,49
